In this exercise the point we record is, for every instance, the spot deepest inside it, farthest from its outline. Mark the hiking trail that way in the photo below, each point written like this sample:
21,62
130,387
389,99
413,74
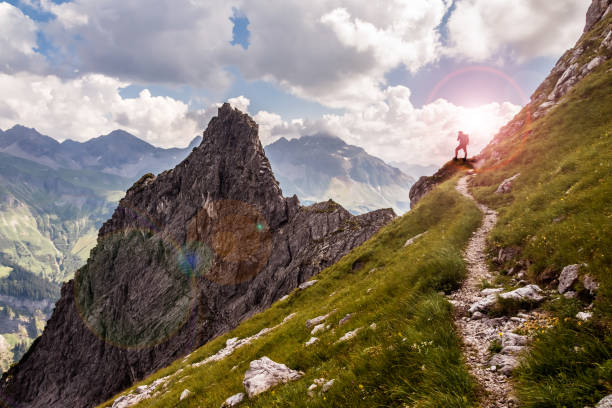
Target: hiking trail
477,333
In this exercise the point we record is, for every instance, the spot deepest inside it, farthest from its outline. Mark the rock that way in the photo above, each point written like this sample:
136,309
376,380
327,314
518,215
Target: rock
373,326
311,390
426,183
507,254
590,284
327,386
584,316
289,317
512,350
512,339
491,291
264,374
594,63
312,340
186,393
319,328
410,241
597,10
283,298
477,315
246,245
345,319
529,293
483,305
505,363
605,402
570,294
307,284
568,277
316,320
506,185
349,335
233,400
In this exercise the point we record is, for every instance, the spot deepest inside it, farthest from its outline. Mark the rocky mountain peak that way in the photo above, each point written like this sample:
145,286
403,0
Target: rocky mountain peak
597,10
186,256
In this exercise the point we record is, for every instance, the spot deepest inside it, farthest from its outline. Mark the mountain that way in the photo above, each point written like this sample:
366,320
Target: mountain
186,256
415,170
53,199
119,153
380,327
321,166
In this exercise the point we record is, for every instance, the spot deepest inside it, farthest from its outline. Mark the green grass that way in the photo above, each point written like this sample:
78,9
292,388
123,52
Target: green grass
559,213
413,357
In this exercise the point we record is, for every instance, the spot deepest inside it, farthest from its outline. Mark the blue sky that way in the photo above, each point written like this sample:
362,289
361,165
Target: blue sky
77,69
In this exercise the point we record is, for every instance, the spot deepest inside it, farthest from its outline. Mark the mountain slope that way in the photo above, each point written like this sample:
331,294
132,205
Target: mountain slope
556,212
320,167
185,257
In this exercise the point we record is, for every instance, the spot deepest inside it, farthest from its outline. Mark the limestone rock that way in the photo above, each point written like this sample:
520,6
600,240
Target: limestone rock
568,277
264,374
327,386
605,402
410,241
345,319
307,284
512,339
317,320
597,10
505,363
319,328
185,394
233,400
311,341
349,335
584,316
529,293
506,185
590,284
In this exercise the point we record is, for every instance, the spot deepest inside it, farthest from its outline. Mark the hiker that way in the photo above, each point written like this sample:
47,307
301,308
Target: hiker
463,139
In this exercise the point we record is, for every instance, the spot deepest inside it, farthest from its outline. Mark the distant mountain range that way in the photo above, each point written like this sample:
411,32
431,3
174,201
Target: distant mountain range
119,153
321,166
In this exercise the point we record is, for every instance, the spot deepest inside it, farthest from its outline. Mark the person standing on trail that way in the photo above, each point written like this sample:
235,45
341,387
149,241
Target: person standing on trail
463,139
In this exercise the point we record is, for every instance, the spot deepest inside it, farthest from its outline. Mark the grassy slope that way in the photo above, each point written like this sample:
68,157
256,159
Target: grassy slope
559,213
413,357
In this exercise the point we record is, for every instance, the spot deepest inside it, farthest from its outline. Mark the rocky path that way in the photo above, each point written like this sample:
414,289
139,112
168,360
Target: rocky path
478,333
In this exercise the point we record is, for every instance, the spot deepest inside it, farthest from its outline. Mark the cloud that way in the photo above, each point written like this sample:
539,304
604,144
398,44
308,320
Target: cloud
169,43
483,29
394,130
91,105
337,52
17,41
240,102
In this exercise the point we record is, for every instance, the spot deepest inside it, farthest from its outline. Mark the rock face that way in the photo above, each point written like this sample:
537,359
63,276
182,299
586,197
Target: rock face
426,183
185,257
568,277
597,10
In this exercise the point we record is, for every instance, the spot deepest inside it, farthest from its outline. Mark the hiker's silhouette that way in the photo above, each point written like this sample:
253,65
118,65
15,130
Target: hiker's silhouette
463,139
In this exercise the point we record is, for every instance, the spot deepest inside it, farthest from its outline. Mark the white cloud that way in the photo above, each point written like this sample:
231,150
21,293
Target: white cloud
91,105
520,29
170,43
394,130
17,41
240,102
337,52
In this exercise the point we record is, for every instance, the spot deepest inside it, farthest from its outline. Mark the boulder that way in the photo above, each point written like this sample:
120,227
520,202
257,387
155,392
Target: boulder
312,340
483,304
505,363
317,320
319,328
584,316
511,339
345,319
185,394
264,374
349,335
506,185
568,277
307,284
327,386
233,400
529,293
605,402
590,284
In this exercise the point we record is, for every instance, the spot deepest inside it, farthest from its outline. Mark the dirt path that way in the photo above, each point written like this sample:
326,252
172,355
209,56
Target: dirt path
477,333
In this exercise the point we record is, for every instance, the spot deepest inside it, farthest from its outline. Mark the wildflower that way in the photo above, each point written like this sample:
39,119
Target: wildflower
361,386
500,334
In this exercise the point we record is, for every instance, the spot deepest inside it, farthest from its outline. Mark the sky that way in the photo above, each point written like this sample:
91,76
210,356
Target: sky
396,77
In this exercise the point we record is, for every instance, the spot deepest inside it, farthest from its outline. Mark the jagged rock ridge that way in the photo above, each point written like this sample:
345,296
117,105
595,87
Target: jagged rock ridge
185,257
